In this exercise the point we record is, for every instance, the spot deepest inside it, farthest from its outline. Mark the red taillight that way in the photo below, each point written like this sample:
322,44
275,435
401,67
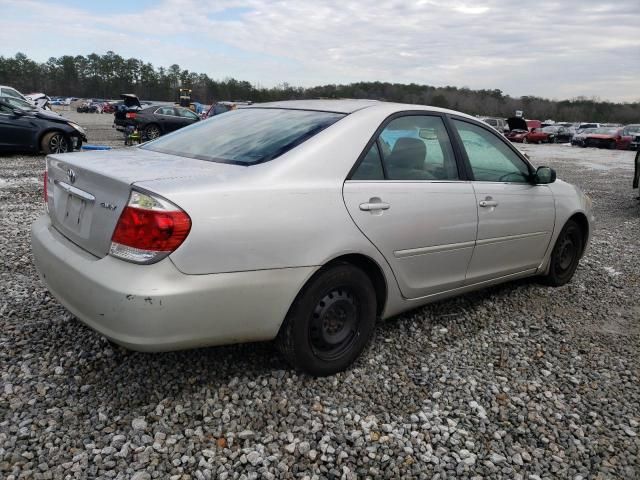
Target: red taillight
149,229
131,115
46,178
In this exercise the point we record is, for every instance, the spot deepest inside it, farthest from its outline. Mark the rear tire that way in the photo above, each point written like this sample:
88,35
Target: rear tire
152,131
566,255
55,142
330,322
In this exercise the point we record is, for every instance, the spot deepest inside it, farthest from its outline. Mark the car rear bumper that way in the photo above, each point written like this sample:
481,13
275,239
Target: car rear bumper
158,308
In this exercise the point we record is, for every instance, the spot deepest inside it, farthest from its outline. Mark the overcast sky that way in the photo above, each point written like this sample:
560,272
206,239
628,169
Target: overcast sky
556,49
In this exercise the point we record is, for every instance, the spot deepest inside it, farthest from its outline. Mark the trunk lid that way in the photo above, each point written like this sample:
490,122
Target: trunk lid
88,191
130,100
517,123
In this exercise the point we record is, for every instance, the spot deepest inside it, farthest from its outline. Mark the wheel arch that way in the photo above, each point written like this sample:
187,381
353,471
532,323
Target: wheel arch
581,219
369,266
50,130
372,270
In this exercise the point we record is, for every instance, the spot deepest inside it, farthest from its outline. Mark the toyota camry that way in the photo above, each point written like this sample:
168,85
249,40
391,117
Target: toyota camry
300,221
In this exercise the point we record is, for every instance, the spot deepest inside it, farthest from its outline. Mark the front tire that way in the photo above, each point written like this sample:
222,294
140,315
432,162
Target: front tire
330,322
55,142
566,255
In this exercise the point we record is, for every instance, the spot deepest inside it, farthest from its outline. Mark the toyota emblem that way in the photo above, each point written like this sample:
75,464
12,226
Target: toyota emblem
72,175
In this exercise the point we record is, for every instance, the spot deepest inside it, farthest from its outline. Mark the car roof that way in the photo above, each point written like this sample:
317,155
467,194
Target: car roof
352,105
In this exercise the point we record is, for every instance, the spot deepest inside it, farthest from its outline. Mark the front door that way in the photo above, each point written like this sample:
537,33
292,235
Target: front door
515,218
16,131
406,196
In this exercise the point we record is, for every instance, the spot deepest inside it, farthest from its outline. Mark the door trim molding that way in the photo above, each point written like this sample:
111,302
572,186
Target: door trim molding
508,238
412,252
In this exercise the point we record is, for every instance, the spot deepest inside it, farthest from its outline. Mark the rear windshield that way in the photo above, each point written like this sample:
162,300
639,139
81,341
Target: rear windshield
245,136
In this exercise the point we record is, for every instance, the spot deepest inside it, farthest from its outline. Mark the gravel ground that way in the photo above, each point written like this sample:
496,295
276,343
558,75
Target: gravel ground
518,381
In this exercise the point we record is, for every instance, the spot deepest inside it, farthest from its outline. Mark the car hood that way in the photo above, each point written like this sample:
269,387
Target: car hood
48,115
130,100
517,123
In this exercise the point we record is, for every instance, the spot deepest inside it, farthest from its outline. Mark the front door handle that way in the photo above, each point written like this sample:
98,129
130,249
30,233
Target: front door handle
373,206
488,203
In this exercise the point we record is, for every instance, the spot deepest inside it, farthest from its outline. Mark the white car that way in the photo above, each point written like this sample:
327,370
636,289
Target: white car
301,221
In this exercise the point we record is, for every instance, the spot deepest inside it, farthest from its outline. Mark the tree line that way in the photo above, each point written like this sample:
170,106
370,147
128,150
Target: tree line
109,75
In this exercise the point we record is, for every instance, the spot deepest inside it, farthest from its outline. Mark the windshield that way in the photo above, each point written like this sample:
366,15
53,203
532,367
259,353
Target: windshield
550,129
18,103
245,136
10,92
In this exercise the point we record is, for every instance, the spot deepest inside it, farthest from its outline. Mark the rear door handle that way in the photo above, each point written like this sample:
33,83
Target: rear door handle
488,203
372,206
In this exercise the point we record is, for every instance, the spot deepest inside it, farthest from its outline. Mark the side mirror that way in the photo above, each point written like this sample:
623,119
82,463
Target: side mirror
19,112
544,175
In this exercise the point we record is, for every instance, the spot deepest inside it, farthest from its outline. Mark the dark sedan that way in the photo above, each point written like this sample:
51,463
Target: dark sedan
558,133
35,130
155,121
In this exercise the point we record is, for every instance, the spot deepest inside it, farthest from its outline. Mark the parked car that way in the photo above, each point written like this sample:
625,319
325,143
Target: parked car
221,107
39,100
582,126
631,134
498,123
35,130
607,137
527,131
156,121
558,134
302,221
108,107
580,136
125,109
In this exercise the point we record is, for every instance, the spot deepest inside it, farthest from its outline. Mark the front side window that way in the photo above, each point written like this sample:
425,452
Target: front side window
183,112
490,158
246,136
414,147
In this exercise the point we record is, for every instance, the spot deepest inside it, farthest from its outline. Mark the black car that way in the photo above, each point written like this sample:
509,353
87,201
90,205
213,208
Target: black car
154,121
36,130
560,133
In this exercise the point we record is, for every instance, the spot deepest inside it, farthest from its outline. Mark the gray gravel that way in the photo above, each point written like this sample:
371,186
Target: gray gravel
519,381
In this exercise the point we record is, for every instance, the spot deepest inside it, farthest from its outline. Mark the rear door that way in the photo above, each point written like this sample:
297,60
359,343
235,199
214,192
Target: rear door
515,218
407,197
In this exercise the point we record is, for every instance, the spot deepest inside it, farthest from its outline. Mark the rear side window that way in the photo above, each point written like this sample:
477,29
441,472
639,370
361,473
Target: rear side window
245,136
166,111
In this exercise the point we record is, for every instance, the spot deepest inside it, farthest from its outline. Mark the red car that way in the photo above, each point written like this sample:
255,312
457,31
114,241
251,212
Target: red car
108,107
608,137
527,131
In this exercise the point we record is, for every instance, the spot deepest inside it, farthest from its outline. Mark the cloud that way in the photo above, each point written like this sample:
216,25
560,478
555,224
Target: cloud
558,50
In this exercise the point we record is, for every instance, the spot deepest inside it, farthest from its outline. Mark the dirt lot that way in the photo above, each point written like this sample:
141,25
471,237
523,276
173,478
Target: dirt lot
518,381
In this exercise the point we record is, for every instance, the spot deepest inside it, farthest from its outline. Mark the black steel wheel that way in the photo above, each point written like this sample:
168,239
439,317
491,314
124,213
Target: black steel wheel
330,322
566,255
55,142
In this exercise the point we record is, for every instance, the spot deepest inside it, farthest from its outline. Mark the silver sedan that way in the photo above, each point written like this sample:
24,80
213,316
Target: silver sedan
301,221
